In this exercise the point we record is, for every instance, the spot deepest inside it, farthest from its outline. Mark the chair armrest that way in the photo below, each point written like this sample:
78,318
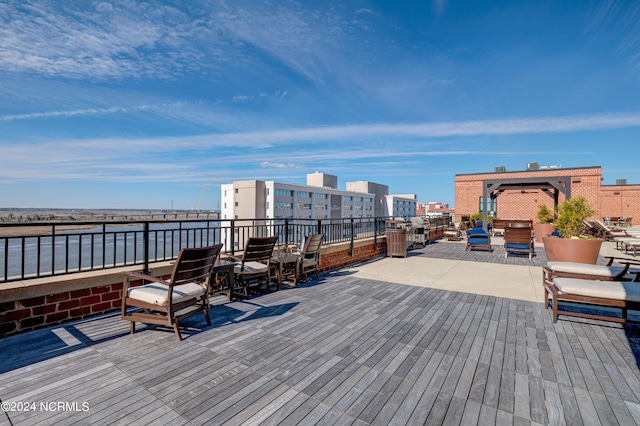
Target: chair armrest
234,258
622,260
128,275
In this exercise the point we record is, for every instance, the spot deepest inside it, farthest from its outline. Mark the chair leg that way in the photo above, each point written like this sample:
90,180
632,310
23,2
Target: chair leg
206,315
132,327
176,328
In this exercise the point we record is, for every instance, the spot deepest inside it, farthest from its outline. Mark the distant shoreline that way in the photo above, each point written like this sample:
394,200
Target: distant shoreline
39,219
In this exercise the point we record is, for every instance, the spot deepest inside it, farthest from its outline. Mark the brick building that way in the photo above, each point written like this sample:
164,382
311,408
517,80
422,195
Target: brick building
620,200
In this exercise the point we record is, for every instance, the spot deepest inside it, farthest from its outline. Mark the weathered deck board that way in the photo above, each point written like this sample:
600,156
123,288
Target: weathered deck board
337,351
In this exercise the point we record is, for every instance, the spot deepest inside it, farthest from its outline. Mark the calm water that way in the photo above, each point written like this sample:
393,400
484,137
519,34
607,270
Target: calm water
87,248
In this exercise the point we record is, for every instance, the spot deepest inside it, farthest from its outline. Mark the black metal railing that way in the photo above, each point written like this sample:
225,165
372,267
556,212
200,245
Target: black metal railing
35,250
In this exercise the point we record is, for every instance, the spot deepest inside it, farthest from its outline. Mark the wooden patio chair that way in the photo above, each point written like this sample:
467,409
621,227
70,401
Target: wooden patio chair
518,238
497,226
310,256
166,302
454,232
608,272
609,233
253,268
478,238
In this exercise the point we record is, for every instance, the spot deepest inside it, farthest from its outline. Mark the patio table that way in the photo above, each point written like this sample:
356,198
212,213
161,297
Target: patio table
225,267
282,260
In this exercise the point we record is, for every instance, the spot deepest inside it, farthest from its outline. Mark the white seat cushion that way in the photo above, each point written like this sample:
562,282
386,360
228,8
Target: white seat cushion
626,239
584,268
158,294
617,290
250,267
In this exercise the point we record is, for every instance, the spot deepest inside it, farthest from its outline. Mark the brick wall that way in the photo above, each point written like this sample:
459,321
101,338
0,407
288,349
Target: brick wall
37,312
620,201
340,258
25,314
585,182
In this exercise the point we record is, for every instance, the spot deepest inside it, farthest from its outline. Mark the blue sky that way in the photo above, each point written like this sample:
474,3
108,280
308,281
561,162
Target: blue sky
131,104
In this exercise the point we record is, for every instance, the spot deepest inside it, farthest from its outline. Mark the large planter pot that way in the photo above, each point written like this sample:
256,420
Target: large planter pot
543,230
572,250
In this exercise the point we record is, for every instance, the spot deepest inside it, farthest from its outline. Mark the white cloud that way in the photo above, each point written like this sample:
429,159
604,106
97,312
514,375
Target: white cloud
269,164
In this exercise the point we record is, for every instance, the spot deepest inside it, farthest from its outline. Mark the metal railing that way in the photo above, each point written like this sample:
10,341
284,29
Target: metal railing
35,250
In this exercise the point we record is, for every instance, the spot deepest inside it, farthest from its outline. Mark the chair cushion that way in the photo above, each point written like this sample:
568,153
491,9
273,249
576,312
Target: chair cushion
309,262
616,290
250,268
584,268
513,246
158,294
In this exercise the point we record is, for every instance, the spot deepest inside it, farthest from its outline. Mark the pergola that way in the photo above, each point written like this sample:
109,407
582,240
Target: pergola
552,186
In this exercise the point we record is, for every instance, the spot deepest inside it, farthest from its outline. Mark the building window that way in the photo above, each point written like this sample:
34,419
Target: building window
321,206
347,208
347,198
236,190
304,206
284,193
321,195
236,204
280,205
304,194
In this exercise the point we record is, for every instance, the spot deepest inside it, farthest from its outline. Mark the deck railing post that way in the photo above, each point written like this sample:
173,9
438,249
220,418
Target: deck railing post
146,248
53,249
352,237
233,237
375,233
286,232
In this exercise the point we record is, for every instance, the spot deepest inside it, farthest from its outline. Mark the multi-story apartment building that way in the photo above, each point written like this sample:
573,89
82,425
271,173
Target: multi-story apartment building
402,205
318,199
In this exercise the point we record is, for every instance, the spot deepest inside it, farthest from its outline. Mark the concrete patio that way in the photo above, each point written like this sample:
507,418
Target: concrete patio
442,336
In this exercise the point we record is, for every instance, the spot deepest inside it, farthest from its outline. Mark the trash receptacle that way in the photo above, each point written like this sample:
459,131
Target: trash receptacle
396,240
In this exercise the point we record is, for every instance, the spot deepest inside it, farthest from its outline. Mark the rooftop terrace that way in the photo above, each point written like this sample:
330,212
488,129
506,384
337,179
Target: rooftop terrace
442,336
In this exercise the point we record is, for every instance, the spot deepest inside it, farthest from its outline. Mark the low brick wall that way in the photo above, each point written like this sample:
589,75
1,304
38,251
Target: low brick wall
38,303
334,257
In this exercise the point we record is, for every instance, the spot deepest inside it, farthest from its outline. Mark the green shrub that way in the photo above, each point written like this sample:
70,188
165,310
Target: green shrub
571,216
544,214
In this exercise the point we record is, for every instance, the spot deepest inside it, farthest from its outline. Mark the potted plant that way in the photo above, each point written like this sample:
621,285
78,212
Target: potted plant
545,226
572,246
474,217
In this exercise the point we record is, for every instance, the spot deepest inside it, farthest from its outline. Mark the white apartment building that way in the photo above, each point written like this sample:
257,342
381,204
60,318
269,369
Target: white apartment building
319,199
402,205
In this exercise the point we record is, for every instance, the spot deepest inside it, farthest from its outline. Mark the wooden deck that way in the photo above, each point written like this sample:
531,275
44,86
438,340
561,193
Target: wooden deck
338,351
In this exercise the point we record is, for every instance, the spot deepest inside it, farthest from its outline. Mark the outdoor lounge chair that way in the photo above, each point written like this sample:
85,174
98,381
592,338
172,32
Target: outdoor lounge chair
518,238
253,268
609,233
454,232
166,302
620,294
607,286
607,272
310,255
478,238
498,226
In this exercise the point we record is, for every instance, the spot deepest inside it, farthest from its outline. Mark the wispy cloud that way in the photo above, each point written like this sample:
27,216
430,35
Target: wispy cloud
270,164
88,111
223,157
